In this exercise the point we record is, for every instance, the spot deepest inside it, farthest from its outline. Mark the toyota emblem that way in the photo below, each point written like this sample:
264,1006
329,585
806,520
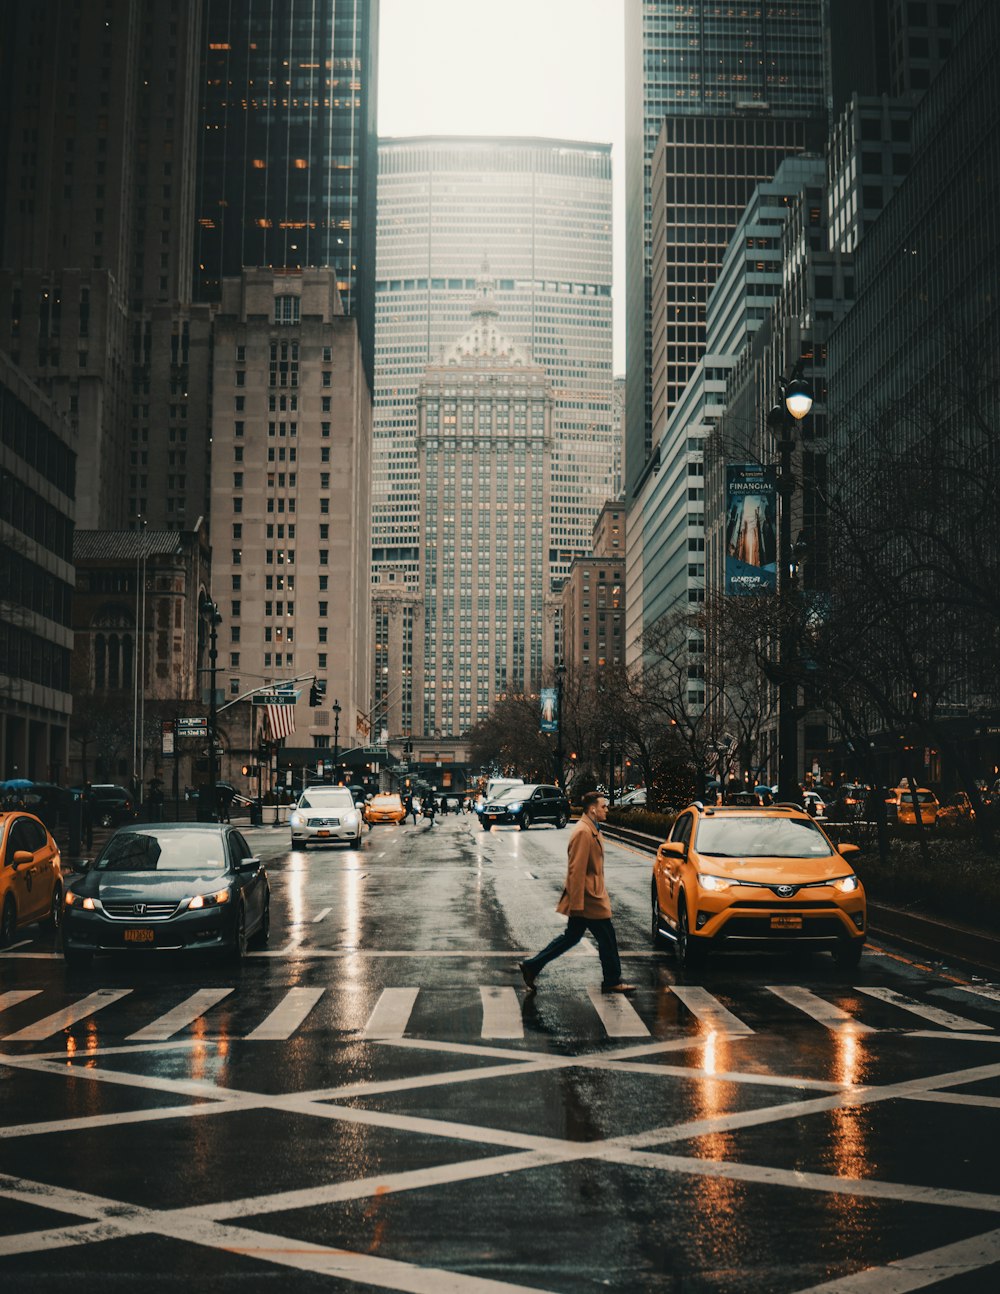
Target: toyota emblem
786,891
139,909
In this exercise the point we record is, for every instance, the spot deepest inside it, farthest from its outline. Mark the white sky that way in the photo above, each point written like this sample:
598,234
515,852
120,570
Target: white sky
511,67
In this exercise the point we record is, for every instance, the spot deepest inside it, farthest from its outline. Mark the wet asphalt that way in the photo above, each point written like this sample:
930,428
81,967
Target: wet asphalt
374,1102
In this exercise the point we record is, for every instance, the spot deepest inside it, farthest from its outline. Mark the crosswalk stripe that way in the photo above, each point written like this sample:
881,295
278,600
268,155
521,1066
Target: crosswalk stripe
981,990
826,1013
617,1014
501,1013
15,995
55,1023
391,1014
286,1016
165,1026
935,1014
709,1009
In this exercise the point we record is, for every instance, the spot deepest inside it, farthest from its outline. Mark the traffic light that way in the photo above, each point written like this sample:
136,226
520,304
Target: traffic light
317,691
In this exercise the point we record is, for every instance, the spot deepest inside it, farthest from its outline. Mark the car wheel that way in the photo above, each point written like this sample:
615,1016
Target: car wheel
655,937
485,825
690,955
54,919
8,923
525,822
238,947
561,820
847,954
264,929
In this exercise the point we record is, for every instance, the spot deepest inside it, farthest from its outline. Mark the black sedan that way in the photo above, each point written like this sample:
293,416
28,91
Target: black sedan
168,885
525,804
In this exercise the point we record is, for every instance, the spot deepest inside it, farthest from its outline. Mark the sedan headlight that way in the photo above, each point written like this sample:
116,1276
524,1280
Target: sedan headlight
847,884
208,900
713,882
516,806
74,900
296,820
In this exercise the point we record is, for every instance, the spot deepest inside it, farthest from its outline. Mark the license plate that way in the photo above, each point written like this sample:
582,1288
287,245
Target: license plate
138,935
786,923
322,833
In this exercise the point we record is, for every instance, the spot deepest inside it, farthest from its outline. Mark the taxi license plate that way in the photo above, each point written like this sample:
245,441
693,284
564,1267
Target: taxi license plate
786,923
138,935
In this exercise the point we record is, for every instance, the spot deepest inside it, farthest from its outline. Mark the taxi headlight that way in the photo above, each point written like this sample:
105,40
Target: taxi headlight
847,884
713,883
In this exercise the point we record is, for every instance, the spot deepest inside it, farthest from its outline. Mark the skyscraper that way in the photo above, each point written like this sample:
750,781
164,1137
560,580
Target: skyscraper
539,211
726,92
286,175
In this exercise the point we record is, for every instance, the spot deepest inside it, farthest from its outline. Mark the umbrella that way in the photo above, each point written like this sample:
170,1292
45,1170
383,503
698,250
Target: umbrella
16,784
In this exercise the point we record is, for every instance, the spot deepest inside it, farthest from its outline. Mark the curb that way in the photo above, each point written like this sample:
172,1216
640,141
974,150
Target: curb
978,948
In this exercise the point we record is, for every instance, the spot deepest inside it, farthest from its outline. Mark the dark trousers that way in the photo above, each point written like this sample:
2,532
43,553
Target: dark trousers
576,927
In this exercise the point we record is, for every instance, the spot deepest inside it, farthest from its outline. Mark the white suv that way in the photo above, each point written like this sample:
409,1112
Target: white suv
323,815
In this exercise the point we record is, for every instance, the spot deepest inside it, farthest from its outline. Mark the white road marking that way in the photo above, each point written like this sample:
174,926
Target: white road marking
391,1014
919,1270
180,1017
936,1015
287,1015
53,1024
832,1017
617,1014
709,1009
13,996
320,915
981,990
501,1013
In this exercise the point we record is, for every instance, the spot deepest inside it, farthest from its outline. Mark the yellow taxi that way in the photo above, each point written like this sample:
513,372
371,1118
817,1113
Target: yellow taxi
31,879
927,804
742,877
385,807
956,812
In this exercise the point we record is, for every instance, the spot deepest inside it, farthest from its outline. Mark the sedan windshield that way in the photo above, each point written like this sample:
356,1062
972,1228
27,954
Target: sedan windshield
171,851
327,800
762,837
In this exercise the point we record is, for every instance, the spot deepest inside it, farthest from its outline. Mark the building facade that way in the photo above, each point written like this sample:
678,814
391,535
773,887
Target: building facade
291,498
539,212
593,599
484,447
37,482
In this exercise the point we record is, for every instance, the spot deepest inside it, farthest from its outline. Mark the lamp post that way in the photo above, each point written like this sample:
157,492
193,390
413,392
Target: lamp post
336,735
796,399
210,614
560,675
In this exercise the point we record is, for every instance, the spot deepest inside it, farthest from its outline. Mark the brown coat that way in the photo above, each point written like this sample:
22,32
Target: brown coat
584,892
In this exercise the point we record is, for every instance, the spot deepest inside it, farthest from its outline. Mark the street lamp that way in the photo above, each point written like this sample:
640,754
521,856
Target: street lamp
210,614
796,399
560,675
336,735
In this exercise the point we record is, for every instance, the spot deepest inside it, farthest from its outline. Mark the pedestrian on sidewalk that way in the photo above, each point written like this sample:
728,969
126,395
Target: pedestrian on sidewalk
585,902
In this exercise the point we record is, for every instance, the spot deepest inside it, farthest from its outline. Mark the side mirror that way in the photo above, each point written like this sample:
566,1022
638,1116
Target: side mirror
848,848
22,857
248,865
672,849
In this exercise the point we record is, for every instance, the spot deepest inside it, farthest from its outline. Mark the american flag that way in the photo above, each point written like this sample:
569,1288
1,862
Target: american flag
280,720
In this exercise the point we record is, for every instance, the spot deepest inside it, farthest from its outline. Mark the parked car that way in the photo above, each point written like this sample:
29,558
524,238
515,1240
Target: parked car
814,804
111,805
168,885
848,803
901,800
755,877
632,799
525,805
957,811
31,878
385,807
324,815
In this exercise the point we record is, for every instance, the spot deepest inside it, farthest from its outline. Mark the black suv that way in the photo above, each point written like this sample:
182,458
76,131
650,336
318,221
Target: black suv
526,805
110,806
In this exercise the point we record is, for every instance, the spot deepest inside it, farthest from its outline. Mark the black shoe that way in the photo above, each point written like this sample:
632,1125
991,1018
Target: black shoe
529,975
620,987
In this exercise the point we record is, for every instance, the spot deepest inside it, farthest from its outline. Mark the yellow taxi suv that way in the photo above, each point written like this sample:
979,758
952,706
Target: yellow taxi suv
927,805
755,877
384,808
31,880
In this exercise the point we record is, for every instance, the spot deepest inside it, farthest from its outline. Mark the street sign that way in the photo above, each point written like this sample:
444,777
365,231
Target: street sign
196,727
273,698
167,736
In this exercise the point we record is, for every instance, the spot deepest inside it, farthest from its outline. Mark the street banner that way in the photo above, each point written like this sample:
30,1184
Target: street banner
549,710
751,528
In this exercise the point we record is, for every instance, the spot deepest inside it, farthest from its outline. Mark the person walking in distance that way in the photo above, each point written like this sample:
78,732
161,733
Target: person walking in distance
585,902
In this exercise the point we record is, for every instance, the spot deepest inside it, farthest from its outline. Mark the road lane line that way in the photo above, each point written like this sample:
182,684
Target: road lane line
981,990
709,1009
286,1016
320,915
617,1014
13,996
501,1013
828,1015
917,1271
53,1024
391,1014
936,1015
180,1017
